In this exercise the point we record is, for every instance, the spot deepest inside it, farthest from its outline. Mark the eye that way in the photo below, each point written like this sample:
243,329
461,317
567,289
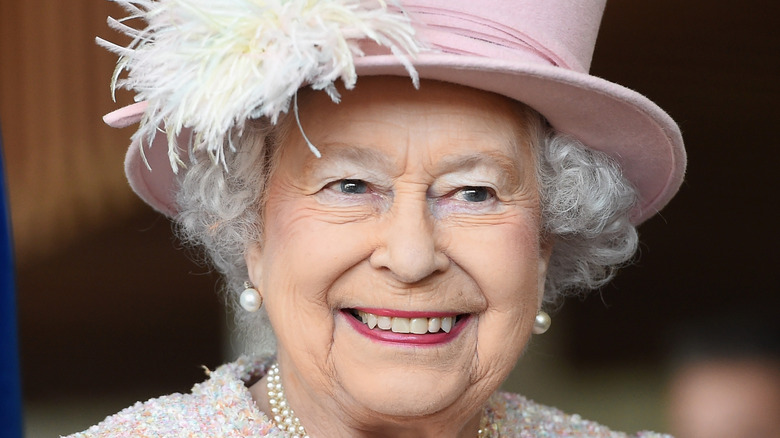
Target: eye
474,194
352,186
352,193
348,187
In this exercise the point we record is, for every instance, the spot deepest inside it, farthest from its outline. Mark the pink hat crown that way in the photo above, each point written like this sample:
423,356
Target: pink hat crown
561,33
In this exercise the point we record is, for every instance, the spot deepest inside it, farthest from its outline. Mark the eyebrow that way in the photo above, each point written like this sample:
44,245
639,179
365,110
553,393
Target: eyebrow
509,170
357,155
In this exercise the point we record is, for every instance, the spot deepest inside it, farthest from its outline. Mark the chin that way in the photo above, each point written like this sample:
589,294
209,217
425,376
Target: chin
408,392
403,381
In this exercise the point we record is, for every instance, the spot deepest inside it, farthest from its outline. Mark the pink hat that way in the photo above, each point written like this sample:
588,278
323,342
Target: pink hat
535,51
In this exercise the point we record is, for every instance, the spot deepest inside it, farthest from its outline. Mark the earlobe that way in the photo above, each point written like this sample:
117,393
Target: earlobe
545,252
253,257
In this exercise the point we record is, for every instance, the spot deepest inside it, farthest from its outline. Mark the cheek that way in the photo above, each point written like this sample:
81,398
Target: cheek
302,257
508,277
314,253
504,260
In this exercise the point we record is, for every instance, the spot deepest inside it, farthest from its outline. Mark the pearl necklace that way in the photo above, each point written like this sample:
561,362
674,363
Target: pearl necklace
285,418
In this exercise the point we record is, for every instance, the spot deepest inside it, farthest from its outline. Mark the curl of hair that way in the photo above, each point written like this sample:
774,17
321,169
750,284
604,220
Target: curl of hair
585,210
586,205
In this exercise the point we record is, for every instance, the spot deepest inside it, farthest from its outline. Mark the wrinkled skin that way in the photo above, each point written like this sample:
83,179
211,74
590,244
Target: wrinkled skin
423,200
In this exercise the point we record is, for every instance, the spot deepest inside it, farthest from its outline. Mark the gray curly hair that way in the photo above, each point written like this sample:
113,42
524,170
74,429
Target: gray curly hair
585,200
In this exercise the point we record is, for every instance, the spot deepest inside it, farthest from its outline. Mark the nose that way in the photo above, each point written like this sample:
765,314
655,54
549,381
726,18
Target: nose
409,249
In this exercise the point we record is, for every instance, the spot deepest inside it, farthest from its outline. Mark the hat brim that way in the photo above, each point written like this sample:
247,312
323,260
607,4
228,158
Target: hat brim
604,116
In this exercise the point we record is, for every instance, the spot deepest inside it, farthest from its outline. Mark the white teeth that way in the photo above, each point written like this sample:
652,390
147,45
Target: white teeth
401,325
417,326
384,322
446,324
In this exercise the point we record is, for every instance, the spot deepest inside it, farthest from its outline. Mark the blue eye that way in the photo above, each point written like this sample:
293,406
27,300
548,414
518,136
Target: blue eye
475,194
353,186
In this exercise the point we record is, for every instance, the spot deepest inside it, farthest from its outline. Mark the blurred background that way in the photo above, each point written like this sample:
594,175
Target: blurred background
112,309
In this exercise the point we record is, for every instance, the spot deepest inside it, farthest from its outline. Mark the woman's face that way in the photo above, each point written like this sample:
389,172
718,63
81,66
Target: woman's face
422,213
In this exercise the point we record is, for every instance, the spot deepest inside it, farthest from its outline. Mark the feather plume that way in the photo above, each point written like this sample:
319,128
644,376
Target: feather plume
210,65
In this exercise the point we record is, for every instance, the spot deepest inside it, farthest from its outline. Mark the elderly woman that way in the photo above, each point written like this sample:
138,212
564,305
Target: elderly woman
390,242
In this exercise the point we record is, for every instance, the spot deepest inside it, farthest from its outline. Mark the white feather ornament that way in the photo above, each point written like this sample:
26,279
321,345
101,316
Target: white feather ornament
210,65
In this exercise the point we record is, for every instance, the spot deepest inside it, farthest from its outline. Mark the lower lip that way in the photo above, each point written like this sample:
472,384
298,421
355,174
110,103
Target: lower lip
410,339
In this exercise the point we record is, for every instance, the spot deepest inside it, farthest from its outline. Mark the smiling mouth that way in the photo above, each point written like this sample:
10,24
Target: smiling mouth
419,326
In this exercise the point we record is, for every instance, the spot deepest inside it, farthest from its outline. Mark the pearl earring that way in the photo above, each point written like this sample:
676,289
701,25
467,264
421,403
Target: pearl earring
250,298
542,322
